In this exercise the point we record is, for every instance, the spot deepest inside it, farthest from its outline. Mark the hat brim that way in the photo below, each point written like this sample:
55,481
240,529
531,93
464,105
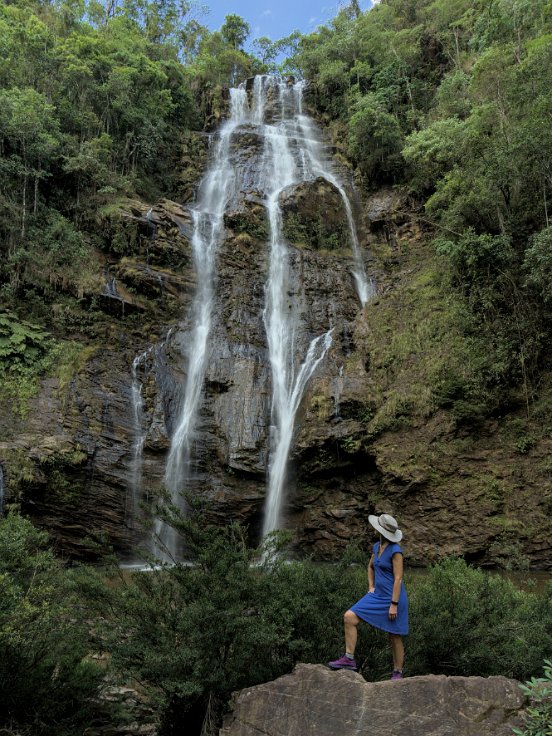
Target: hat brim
391,536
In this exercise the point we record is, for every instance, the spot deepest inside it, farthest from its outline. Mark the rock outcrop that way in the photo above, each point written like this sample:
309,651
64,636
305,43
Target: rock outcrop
315,700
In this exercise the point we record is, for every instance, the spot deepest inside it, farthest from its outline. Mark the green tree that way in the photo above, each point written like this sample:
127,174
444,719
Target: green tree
49,684
235,30
452,609
433,151
538,718
30,133
375,138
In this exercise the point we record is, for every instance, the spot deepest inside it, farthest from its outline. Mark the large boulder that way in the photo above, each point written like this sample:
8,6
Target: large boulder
315,700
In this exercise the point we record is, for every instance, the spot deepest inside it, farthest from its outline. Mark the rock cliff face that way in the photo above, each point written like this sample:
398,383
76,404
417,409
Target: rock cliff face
314,700
359,446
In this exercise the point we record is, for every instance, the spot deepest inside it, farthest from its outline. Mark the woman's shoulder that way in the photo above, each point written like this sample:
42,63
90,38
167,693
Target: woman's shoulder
395,548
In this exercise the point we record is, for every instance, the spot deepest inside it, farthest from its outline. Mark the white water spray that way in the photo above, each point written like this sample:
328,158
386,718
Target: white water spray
317,164
292,153
214,194
288,381
140,433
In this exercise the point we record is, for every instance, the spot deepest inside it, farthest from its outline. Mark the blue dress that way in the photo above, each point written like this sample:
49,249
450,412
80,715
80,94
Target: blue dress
374,607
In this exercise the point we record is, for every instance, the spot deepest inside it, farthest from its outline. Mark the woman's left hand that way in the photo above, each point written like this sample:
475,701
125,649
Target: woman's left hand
392,612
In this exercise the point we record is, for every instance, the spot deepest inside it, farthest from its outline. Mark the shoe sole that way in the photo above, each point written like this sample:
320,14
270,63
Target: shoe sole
350,669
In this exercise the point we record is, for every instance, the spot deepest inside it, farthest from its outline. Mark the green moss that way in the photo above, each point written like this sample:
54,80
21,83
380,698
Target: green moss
495,494
16,394
63,489
20,472
60,470
322,406
351,445
420,357
253,223
314,233
72,457
309,494
72,357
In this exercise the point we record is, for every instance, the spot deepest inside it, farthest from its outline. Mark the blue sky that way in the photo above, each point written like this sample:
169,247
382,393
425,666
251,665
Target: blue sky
273,18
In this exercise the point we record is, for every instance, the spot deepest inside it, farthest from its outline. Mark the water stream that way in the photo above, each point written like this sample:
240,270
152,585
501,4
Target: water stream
214,193
288,379
292,153
317,163
140,432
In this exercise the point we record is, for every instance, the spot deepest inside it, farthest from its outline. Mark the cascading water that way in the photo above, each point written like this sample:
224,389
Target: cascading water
317,164
292,153
337,390
288,380
214,194
139,440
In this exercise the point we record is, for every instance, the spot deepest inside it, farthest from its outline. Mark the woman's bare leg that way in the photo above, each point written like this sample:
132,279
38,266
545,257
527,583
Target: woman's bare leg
397,648
351,621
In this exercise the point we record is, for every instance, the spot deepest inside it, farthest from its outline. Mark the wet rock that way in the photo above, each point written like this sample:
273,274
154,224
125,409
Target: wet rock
313,699
314,216
385,204
116,300
249,217
153,282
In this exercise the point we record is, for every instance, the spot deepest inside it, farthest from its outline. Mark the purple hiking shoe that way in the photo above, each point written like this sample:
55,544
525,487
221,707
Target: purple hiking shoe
397,675
343,663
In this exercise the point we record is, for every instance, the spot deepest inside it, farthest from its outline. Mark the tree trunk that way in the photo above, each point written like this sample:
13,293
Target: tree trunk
24,212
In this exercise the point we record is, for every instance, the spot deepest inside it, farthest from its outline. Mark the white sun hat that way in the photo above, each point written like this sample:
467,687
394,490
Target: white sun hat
387,526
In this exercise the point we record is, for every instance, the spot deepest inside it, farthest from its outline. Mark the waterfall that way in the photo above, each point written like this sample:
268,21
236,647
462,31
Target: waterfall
317,164
292,153
139,440
259,98
214,193
288,381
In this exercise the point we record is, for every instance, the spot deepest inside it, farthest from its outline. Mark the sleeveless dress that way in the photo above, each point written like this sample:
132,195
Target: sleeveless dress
374,607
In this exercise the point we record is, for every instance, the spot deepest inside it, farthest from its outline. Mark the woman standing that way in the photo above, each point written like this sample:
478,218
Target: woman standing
385,606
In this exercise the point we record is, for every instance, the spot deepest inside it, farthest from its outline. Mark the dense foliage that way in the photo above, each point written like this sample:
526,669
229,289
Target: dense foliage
48,683
538,719
95,101
451,99
192,634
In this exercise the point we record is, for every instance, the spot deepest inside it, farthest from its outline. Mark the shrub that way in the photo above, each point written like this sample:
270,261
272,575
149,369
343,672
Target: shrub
538,717
468,622
375,138
196,633
49,686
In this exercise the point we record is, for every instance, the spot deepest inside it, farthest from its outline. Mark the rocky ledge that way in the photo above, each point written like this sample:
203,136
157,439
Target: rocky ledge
315,700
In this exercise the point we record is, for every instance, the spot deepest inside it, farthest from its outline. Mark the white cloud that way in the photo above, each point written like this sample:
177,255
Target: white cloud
266,12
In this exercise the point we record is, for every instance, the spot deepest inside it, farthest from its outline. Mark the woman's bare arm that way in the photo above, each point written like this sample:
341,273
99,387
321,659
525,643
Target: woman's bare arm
398,568
371,579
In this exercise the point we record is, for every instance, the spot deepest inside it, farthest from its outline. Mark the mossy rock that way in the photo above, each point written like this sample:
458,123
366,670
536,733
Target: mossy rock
314,216
251,219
